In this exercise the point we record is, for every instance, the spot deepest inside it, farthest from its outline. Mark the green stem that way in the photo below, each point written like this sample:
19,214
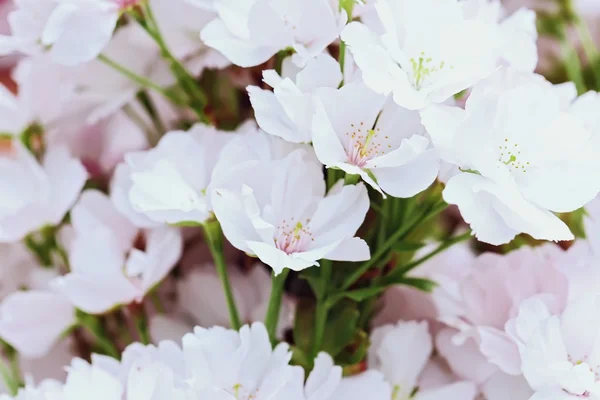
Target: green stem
140,80
94,327
12,385
322,309
141,325
214,239
442,247
320,320
274,308
342,59
197,98
591,52
405,230
350,179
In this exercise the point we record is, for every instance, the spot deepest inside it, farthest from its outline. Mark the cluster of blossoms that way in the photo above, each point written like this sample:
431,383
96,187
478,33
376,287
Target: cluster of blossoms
311,200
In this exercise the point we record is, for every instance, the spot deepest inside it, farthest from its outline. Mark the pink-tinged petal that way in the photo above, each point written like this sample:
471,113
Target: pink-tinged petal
67,177
500,350
239,51
455,391
33,321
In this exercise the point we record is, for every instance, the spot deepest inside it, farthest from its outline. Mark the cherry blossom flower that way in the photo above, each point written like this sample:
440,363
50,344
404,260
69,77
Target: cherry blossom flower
79,30
170,183
282,215
392,345
106,268
27,22
559,357
518,166
35,195
421,63
515,35
240,365
248,33
287,111
489,298
355,130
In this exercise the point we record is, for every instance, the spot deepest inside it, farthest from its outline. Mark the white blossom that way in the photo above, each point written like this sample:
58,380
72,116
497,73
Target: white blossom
249,32
358,131
428,51
518,165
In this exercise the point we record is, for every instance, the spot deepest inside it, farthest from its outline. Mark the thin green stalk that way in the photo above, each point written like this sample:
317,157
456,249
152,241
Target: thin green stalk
404,231
11,384
214,239
274,308
140,80
320,321
442,247
141,325
93,326
590,49
197,98
342,59
322,309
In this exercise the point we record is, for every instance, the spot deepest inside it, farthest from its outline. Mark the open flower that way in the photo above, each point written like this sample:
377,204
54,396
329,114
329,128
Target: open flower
112,263
79,30
248,33
27,22
422,56
559,352
287,111
393,345
355,130
169,183
514,35
240,365
282,215
33,321
35,195
516,163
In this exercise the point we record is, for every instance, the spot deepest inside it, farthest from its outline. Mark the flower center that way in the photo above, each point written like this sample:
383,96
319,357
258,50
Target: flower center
363,144
424,68
510,155
240,393
293,236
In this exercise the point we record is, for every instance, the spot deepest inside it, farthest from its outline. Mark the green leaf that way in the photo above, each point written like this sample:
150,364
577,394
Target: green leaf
426,285
341,327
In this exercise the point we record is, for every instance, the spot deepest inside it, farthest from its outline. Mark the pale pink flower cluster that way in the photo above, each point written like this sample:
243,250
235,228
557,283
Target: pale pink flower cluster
119,175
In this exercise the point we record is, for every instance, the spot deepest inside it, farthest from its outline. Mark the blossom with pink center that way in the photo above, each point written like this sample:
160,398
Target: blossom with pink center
360,132
280,213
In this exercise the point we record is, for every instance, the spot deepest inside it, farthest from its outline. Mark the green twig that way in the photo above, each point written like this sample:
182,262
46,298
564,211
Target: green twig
214,239
274,308
404,231
442,247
